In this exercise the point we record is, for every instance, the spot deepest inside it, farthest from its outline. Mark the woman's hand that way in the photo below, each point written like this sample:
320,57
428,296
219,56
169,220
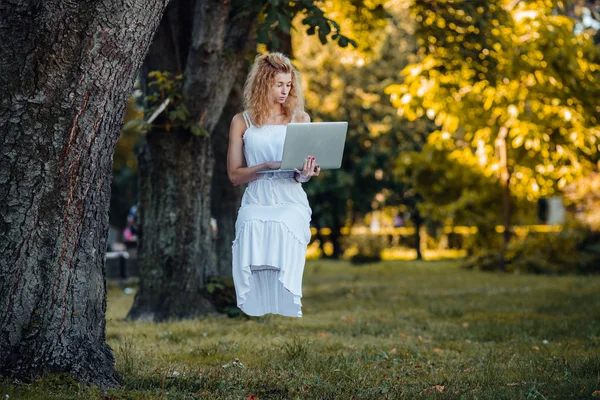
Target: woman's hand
273,164
310,168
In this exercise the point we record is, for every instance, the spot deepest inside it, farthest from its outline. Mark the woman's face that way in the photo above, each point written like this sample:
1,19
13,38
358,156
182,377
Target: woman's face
281,87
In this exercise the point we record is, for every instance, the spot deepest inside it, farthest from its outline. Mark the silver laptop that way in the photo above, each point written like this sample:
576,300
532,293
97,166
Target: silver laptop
322,140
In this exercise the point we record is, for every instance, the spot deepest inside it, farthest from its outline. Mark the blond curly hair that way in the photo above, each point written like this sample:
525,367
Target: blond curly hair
259,82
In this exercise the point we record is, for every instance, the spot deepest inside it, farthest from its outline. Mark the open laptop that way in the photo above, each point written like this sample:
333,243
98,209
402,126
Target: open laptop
322,140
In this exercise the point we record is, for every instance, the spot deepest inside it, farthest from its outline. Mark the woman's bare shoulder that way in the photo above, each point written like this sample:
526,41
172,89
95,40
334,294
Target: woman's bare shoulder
302,117
238,118
238,124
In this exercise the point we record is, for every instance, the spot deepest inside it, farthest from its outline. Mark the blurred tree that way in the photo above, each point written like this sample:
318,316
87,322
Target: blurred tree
66,72
584,198
200,46
349,84
514,92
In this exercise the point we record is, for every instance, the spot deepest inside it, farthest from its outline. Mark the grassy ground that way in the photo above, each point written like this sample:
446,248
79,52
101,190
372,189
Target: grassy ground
391,330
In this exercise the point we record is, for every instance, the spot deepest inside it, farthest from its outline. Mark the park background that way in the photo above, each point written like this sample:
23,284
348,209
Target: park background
455,253
429,93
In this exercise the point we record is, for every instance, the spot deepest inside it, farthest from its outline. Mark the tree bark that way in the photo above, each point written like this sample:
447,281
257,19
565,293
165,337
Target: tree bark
176,255
220,40
175,239
66,72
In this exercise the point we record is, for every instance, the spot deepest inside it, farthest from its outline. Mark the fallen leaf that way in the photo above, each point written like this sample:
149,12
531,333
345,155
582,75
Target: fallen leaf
393,351
439,388
536,348
252,397
596,393
437,350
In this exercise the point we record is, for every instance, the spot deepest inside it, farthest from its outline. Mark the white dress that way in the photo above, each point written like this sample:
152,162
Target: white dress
272,231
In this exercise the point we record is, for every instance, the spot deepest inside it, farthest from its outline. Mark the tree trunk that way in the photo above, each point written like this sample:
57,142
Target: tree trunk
220,40
316,221
418,221
336,233
174,208
175,187
66,74
505,178
226,198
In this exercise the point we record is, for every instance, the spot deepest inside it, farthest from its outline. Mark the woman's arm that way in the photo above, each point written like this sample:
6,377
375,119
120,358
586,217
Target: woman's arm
236,171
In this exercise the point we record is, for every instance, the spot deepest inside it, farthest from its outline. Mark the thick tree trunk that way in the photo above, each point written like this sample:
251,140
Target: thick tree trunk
66,72
226,198
176,260
220,39
175,240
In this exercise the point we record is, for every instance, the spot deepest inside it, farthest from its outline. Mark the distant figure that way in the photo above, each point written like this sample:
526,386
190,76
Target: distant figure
272,229
131,229
398,221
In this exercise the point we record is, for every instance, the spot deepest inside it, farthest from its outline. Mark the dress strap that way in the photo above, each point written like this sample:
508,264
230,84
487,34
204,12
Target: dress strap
247,119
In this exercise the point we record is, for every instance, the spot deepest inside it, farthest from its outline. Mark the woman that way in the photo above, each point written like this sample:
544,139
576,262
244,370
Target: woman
273,223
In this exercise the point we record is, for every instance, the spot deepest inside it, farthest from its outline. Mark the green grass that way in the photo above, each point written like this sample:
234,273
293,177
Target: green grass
390,330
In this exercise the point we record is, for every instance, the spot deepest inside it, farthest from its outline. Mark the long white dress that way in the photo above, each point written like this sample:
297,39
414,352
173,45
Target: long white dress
272,231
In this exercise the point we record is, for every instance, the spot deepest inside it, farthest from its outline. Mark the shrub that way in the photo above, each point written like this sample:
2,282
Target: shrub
368,247
576,249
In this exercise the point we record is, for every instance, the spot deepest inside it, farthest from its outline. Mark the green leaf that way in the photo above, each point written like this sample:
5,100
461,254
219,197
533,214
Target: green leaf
178,114
275,42
324,26
284,23
262,36
322,37
198,130
272,16
352,42
135,125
